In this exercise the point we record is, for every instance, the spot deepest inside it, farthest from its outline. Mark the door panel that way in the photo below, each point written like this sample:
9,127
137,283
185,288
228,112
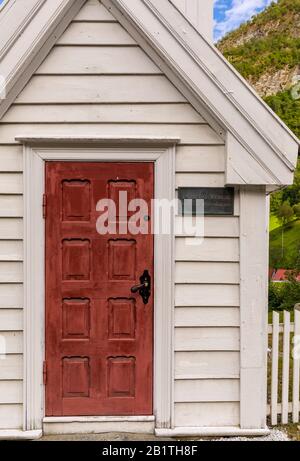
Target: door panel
99,336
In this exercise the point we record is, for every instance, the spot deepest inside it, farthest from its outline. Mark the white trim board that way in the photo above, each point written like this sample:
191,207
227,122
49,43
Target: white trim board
34,270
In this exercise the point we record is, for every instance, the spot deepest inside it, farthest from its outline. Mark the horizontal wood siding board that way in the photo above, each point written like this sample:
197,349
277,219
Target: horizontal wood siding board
99,60
11,206
11,250
100,89
216,414
200,159
189,134
11,158
11,416
207,272
11,228
207,295
12,342
11,272
11,183
11,367
11,295
207,339
211,249
214,226
11,320
97,33
207,365
11,392
207,390
93,10
104,113
200,180
207,317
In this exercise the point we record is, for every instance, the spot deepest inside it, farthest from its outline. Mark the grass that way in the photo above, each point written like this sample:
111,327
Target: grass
291,249
292,430
274,223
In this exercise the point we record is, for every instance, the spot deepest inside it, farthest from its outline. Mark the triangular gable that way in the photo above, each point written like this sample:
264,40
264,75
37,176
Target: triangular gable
261,150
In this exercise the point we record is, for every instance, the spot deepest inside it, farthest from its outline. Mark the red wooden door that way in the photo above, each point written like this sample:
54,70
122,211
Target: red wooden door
99,336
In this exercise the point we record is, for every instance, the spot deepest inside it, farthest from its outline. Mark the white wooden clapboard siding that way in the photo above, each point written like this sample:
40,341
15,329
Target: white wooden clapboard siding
96,80
10,183
207,390
11,319
11,206
11,228
11,392
13,341
11,416
189,134
207,339
96,34
207,272
11,158
98,60
213,414
207,365
11,250
11,367
211,249
121,113
207,317
218,226
11,272
11,295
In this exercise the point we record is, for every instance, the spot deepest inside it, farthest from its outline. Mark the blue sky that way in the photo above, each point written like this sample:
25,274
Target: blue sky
229,14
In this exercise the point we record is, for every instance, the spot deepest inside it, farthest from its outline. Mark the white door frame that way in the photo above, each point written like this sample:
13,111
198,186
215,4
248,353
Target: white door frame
35,156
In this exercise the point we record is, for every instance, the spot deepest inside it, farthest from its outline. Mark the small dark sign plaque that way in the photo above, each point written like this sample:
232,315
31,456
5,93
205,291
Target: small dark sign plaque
217,201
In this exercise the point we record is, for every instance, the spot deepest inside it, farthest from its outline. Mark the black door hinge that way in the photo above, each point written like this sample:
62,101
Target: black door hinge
45,373
44,206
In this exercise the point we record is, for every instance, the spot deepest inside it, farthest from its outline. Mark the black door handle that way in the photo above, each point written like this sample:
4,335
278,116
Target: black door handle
144,289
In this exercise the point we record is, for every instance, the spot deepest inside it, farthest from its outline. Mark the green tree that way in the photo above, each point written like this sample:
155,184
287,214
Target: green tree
284,214
296,209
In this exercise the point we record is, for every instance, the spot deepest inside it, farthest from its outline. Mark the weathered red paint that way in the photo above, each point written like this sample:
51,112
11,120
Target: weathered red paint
99,336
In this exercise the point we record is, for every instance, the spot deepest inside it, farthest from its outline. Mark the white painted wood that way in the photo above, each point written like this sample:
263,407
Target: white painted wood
207,365
207,272
199,13
96,33
207,390
11,183
207,317
11,205
104,113
296,368
11,272
200,180
212,249
11,319
13,341
99,89
254,306
99,60
11,367
94,11
211,432
207,339
285,367
274,375
11,392
189,134
207,295
11,250
20,435
214,226
34,273
200,159
11,416
207,414
91,426
11,228
11,295
10,158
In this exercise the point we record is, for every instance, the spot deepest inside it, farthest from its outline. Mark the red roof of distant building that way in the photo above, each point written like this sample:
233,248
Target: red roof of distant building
281,275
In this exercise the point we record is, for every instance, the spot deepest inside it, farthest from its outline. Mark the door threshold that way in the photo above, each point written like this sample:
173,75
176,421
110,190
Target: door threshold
98,424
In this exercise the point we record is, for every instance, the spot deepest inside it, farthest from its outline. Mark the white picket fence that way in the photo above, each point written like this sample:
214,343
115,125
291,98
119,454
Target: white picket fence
284,369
